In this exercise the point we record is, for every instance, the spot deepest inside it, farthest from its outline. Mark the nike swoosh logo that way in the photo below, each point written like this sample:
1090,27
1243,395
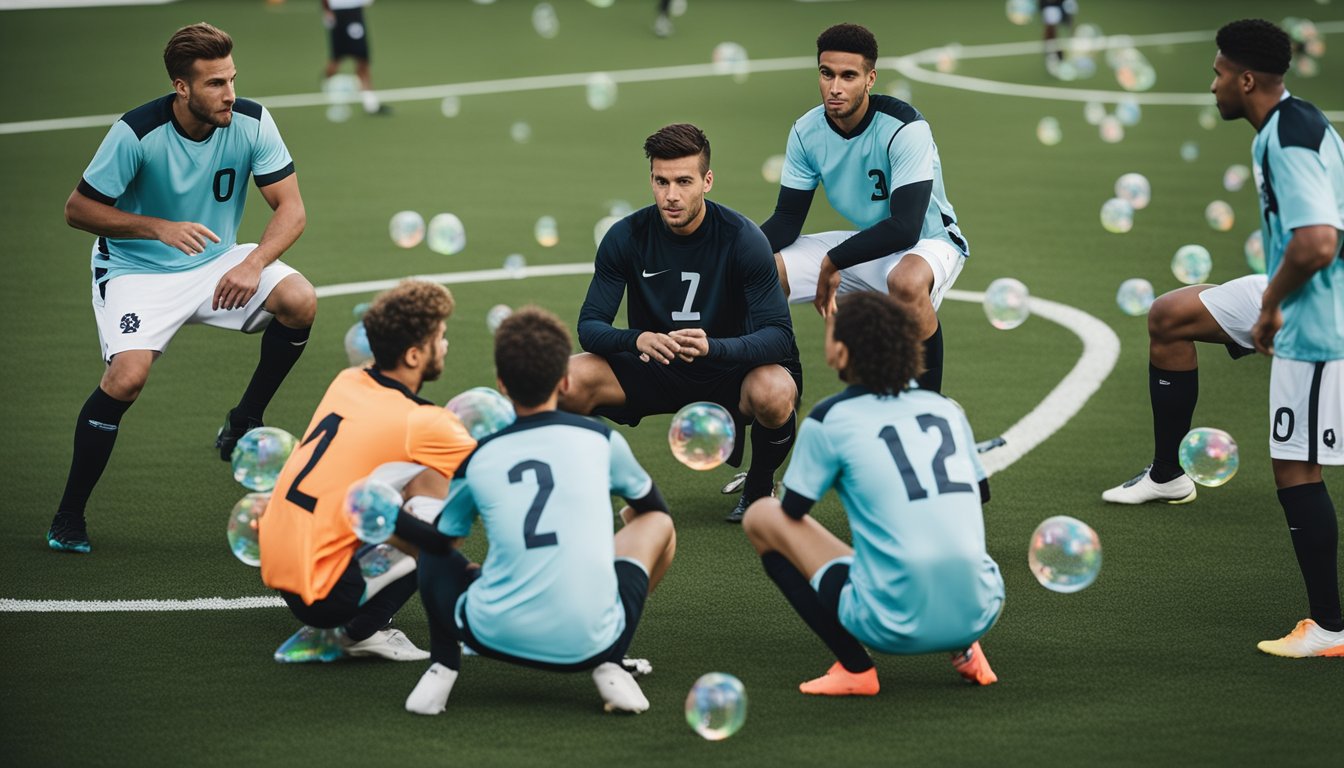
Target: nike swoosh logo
782,440
298,343
102,425
1164,382
647,273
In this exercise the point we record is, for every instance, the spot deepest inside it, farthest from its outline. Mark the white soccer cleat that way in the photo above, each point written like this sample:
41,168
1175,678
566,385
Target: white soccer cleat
387,644
1141,489
1306,640
619,691
430,696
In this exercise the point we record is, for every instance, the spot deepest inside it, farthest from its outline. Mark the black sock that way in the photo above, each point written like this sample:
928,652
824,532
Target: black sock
280,349
932,377
1315,532
377,612
769,448
442,579
848,651
1173,395
95,434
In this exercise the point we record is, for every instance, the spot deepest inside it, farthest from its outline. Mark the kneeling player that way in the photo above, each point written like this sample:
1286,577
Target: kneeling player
918,578
557,590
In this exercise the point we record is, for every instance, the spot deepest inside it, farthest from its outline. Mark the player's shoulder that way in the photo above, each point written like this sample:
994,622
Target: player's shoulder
154,114
827,406
892,107
529,425
248,108
1300,124
737,227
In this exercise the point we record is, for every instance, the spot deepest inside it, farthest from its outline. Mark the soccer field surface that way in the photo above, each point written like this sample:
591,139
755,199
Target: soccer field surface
1154,663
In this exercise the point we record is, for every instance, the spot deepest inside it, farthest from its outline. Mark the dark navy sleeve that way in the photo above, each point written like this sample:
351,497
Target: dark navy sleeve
893,234
786,223
770,328
596,333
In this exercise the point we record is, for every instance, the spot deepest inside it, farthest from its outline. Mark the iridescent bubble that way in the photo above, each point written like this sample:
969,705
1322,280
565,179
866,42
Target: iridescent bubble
1007,303
497,314
772,168
514,264
1137,77
1135,296
620,208
1189,151
1111,129
701,435
357,346
1220,216
1121,51
1235,177
339,113
1315,48
371,507
1064,554
947,58
544,21
1020,12
378,559
603,224
483,411
451,106
1255,252
341,89
1209,456
546,231
1306,66
407,228
520,132
360,309
1048,131
1208,118
1192,264
731,59
1134,189
1128,112
600,91
1093,112
242,528
900,89
1117,216
311,644
716,707
259,456
1065,69
677,8
446,234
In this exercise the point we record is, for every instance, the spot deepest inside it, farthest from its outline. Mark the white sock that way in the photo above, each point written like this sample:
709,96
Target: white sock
430,696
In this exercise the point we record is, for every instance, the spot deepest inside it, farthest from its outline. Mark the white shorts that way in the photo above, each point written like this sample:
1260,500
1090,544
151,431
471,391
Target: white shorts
1306,411
1235,306
145,311
802,263
399,474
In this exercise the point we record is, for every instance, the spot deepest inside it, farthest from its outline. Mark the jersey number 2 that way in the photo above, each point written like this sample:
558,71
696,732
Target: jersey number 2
327,429
545,484
913,489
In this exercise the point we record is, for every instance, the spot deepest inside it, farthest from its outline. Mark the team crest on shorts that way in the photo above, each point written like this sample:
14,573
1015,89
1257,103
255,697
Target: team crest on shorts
130,322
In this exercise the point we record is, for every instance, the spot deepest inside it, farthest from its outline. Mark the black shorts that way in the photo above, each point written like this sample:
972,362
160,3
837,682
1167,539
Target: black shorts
349,35
652,388
339,606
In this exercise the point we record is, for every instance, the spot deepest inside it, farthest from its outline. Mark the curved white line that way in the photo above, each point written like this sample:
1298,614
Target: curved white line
123,606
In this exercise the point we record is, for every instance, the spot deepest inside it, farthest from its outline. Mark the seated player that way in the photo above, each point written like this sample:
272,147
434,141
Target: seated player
557,590
918,578
369,421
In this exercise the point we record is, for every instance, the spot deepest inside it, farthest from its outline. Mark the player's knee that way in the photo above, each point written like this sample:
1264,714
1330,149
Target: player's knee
910,293
760,521
124,382
771,400
1165,318
296,302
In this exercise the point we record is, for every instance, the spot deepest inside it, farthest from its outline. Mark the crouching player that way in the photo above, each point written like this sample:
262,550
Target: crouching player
918,578
557,591
370,422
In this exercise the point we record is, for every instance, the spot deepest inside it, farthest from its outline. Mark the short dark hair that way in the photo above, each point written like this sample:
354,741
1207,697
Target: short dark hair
532,350
1257,45
885,351
196,41
405,316
676,141
849,38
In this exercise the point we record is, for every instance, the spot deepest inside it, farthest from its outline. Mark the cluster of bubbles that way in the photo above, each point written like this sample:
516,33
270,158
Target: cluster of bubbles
1133,192
1191,264
701,435
371,506
444,234
1007,303
731,59
1255,252
1064,554
1208,456
497,315
1135,296
357,349
1220,216
600,91
546,231
1308,45
1132,70
483,410
257,460
1073,58
716,706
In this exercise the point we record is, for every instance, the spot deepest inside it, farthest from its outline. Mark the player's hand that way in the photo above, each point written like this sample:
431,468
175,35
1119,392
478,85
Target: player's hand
237,286
1266,326
186,236
828,284
657,346
693,342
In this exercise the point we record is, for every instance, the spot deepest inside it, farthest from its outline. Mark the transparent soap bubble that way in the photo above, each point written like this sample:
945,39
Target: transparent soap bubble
619,208
497,314
544,21
948,57
1093,112
1134,189
372,507
1007,303
1192,264
546,231
377,559
900,89
407,228
341,89
1208,118
357,346
1020,12
1135,296
772,168
242,530
360,308
1048,131
731,59
1064,554
339,113
1235,177
483,411
1111,130
1307,66
259,456
1209,456
451,106
701,435
1220,216
603,224
1189,151
1128,112
1117,215
716,706
520,132
514,264
1255,252
311,644
600,91
446,235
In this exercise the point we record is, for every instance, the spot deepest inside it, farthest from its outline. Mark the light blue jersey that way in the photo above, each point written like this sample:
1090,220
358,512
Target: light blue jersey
891,148
543,486
1299,168
147,166
907,473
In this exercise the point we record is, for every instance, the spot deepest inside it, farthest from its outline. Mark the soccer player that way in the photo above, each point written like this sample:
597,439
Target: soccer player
557,591
1054,13
369,422
1299,166
348,37
876,157
165,194
918,578
707,318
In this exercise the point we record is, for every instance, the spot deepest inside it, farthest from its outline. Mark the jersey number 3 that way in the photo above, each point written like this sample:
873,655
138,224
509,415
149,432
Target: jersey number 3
545,484
879,178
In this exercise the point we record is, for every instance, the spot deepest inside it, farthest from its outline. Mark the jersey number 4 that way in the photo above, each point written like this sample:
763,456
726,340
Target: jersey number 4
545,484
913,488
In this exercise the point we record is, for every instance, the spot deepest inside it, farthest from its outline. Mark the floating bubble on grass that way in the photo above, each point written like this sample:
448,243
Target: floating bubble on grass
1007,303
772,168
1064,554
1048,131
1111,130
451,106
371,507
1117,216
1134,189
407,228
544,21
701,435
259,456
483,411
1209,456
446,235
1189,151
520,132
242,530
1235,177
716,706
1220,215
1208,118
546,231
310,643
603,224
514,264
357,346
619,208
341,89
731,59
1192,264
900,89
1135,296
1255,252
947,58
339,113
1020,12
1093,112
497,314
1128,112
677,8
600,91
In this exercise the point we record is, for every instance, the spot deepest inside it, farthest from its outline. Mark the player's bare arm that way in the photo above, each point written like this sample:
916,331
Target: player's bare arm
94,217
238,285
1310,250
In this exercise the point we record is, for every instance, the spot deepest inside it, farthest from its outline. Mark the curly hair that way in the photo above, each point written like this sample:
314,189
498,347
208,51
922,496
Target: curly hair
849,38
196,41
885,352
532,350
676,141
1257,45
405,316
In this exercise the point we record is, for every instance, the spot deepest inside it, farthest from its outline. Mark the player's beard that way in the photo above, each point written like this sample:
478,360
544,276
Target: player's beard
845,115
206,116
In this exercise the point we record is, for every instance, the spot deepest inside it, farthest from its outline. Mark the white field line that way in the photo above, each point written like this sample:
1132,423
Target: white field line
132,606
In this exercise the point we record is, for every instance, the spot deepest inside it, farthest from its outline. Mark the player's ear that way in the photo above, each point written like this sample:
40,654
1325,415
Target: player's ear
709,179
181,86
